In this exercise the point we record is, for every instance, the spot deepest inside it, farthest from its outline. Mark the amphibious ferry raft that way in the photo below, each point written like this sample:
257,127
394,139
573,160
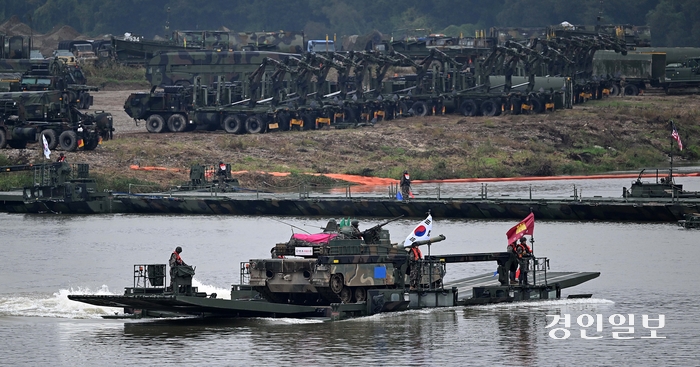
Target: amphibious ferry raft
334,275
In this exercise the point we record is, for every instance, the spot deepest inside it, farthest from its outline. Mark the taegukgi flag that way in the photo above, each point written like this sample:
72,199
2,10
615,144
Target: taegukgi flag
47,152
421,232
525,227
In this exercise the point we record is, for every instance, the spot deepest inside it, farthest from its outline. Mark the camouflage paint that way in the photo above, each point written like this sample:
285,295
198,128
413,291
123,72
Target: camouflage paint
181,67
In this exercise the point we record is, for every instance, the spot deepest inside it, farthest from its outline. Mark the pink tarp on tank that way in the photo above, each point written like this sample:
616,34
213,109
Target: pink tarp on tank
315,238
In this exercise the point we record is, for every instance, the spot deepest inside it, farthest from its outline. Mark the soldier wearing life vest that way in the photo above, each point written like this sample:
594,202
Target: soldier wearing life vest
221,172
415,273
61,158
512,263
175,260
524,254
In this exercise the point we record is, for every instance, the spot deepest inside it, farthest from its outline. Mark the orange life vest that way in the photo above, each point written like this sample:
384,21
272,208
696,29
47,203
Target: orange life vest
524,248
415,251
178,259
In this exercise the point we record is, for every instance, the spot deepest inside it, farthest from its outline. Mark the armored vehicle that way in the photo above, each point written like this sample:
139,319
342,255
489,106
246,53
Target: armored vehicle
341,265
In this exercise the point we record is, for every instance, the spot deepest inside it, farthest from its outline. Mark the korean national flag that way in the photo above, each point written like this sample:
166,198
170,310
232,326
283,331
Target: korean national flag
421,232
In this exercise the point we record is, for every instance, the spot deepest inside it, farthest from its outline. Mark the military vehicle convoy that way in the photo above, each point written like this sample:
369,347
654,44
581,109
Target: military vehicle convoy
28,117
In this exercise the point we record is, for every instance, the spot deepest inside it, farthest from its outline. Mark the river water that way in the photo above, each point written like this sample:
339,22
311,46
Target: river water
647,270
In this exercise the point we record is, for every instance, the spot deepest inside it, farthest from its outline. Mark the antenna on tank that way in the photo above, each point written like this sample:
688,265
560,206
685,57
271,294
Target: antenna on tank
167,23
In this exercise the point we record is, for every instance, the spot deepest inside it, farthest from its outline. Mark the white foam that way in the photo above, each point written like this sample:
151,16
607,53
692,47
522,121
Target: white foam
59,306
56,305
221,293
557,303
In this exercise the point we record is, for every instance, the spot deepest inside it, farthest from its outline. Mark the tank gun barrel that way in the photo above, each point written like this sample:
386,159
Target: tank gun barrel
378,226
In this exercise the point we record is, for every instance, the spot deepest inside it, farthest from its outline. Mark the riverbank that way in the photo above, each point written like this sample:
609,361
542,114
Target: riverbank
618,133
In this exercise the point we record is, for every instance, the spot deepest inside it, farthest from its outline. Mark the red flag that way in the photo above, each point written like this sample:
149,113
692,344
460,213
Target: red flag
526,226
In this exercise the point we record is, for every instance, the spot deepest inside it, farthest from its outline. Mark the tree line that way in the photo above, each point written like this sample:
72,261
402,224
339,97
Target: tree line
672,22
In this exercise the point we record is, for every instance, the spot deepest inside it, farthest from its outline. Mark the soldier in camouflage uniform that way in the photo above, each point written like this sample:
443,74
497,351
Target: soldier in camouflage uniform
405,185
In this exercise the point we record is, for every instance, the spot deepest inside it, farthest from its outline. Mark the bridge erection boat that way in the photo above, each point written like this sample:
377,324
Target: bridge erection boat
337,274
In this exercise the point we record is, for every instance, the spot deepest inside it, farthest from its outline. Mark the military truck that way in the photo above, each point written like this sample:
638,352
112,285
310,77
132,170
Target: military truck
53,74
340,265
81,49
683,77
27,116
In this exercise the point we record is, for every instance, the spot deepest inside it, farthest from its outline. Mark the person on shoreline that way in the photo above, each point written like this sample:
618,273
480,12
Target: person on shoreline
405,185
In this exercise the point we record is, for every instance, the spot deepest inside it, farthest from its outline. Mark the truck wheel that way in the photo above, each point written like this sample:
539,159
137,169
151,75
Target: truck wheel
51,138
17,144
309,121
233,124
283,119
631,90
615,90
420,108
155,124
3,139
516,105
177,123
349,115
91,144
403,109
469,108
489,108
255,125
68,140
537,105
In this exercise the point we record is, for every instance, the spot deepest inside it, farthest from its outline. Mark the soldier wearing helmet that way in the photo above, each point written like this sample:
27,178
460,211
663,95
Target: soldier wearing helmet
524,254
175,261
355,226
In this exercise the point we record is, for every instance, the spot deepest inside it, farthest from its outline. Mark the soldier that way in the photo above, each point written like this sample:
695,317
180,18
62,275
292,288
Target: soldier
355,227
175,261
512,264
416,265
221,172
61,158
524,255
405,185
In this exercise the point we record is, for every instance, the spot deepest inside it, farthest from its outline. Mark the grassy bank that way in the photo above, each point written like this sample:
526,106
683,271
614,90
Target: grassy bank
116,77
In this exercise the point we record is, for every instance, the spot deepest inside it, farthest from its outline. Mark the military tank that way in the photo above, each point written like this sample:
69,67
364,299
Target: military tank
341,264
